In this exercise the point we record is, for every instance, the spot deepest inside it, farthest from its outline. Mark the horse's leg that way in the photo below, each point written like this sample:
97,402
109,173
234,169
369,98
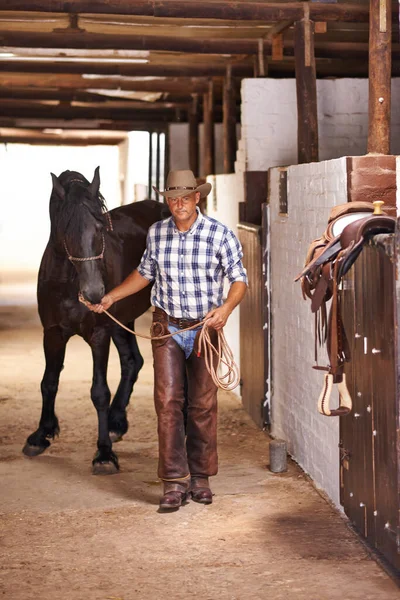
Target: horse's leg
131,362
54,343
105,461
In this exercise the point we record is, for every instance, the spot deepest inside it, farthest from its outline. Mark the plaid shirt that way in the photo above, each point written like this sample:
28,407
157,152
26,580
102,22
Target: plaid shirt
188,268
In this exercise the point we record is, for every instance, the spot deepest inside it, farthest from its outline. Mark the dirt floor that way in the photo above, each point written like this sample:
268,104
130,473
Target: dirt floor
69,535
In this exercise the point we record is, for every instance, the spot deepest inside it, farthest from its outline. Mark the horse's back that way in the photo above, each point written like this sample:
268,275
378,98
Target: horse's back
143,213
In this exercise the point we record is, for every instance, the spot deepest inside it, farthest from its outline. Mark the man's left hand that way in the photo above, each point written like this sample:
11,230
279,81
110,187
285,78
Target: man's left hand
218,317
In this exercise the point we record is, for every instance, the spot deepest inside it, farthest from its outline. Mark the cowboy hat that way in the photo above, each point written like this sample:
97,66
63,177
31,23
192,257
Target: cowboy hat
183,182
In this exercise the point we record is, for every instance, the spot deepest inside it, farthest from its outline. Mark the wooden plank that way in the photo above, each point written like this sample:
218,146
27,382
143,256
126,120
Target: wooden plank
193,118
209,141
167,43
279,28
381,299
180,69
67,81
277,47
380,59
229,124
227,10
251,326
306,88
321,27
370,434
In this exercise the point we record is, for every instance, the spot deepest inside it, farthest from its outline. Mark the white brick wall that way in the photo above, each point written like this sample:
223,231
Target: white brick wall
269,121
312,438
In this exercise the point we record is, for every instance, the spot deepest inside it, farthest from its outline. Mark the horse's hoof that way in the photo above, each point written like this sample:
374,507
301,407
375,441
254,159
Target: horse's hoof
104,468
115,437
29,450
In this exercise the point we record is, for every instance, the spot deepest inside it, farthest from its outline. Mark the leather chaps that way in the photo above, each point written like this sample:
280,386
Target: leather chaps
181,453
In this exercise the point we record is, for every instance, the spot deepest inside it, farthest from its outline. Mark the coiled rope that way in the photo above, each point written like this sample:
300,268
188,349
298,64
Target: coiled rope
216,358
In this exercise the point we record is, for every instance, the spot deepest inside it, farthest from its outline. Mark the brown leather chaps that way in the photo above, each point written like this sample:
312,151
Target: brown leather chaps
194,452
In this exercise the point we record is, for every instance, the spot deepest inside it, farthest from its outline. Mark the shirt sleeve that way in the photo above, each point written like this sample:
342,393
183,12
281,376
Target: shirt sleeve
147,266
231,259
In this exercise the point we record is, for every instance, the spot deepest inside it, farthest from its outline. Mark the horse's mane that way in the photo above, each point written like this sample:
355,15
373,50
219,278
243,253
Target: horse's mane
70,214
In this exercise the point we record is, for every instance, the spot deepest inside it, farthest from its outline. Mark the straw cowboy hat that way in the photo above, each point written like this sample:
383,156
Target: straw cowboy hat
181,183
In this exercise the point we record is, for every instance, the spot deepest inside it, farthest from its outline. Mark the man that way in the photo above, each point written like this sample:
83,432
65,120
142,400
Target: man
187,256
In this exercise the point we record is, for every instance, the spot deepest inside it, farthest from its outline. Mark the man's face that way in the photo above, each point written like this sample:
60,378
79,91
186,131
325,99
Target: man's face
183,209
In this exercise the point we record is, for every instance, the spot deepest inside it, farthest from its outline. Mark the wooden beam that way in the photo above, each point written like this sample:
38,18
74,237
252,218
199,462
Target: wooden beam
229,123
321,27
279,28
134,70
81,112
380,39
277,47
20,40
306,87
59,137
227,10
67,82
194,145
208,135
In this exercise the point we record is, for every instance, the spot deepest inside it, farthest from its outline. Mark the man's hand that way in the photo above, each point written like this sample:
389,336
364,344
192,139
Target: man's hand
105,304
218,317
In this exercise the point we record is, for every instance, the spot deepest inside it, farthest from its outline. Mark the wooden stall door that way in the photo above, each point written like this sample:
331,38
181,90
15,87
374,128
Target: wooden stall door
369,444
251,325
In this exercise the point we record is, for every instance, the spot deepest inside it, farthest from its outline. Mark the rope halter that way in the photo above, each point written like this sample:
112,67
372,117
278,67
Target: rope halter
76,259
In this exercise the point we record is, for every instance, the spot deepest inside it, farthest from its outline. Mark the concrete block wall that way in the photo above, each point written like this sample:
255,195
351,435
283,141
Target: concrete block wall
269,121
313,189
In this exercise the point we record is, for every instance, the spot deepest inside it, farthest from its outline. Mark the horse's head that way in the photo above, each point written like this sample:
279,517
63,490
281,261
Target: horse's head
78,225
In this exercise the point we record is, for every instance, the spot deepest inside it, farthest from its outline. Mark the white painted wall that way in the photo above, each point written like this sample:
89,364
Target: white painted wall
269,121
223,205
25,187
133,166
313,189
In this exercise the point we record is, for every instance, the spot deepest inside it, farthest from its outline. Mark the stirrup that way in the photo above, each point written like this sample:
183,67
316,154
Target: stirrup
345,402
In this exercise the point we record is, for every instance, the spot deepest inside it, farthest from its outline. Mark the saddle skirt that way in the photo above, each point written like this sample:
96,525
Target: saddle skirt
329,258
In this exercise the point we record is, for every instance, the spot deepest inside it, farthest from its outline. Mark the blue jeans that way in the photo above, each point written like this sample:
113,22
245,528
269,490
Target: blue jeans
185,339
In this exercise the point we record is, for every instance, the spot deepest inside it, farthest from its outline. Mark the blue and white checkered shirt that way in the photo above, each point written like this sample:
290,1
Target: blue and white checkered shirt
188,268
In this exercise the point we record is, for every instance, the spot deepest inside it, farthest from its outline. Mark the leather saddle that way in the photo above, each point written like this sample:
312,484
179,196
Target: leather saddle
329,258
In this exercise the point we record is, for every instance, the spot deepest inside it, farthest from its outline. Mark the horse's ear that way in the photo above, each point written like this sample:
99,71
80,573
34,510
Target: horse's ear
95,185
57,187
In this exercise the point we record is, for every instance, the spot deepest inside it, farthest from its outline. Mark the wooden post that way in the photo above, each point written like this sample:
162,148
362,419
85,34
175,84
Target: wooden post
380,64
306,87
194,136
229,123
150,171
208,120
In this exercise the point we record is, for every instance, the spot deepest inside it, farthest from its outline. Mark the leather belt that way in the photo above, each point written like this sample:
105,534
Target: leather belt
180,322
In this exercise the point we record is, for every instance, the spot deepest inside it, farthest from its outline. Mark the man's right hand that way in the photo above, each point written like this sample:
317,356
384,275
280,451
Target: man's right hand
105,304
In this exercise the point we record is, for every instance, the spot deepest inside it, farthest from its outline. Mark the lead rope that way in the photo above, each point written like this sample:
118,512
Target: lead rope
215,358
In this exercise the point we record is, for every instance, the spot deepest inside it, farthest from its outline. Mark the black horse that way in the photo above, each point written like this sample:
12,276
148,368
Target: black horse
90,251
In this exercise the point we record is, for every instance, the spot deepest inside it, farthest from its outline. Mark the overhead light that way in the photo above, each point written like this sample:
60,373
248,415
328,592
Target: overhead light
6,54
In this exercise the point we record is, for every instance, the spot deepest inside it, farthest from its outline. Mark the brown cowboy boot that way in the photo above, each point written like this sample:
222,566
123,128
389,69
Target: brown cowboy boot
175,495
200,490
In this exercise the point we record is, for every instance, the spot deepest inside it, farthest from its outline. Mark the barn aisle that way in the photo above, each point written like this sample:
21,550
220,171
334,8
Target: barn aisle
69,535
